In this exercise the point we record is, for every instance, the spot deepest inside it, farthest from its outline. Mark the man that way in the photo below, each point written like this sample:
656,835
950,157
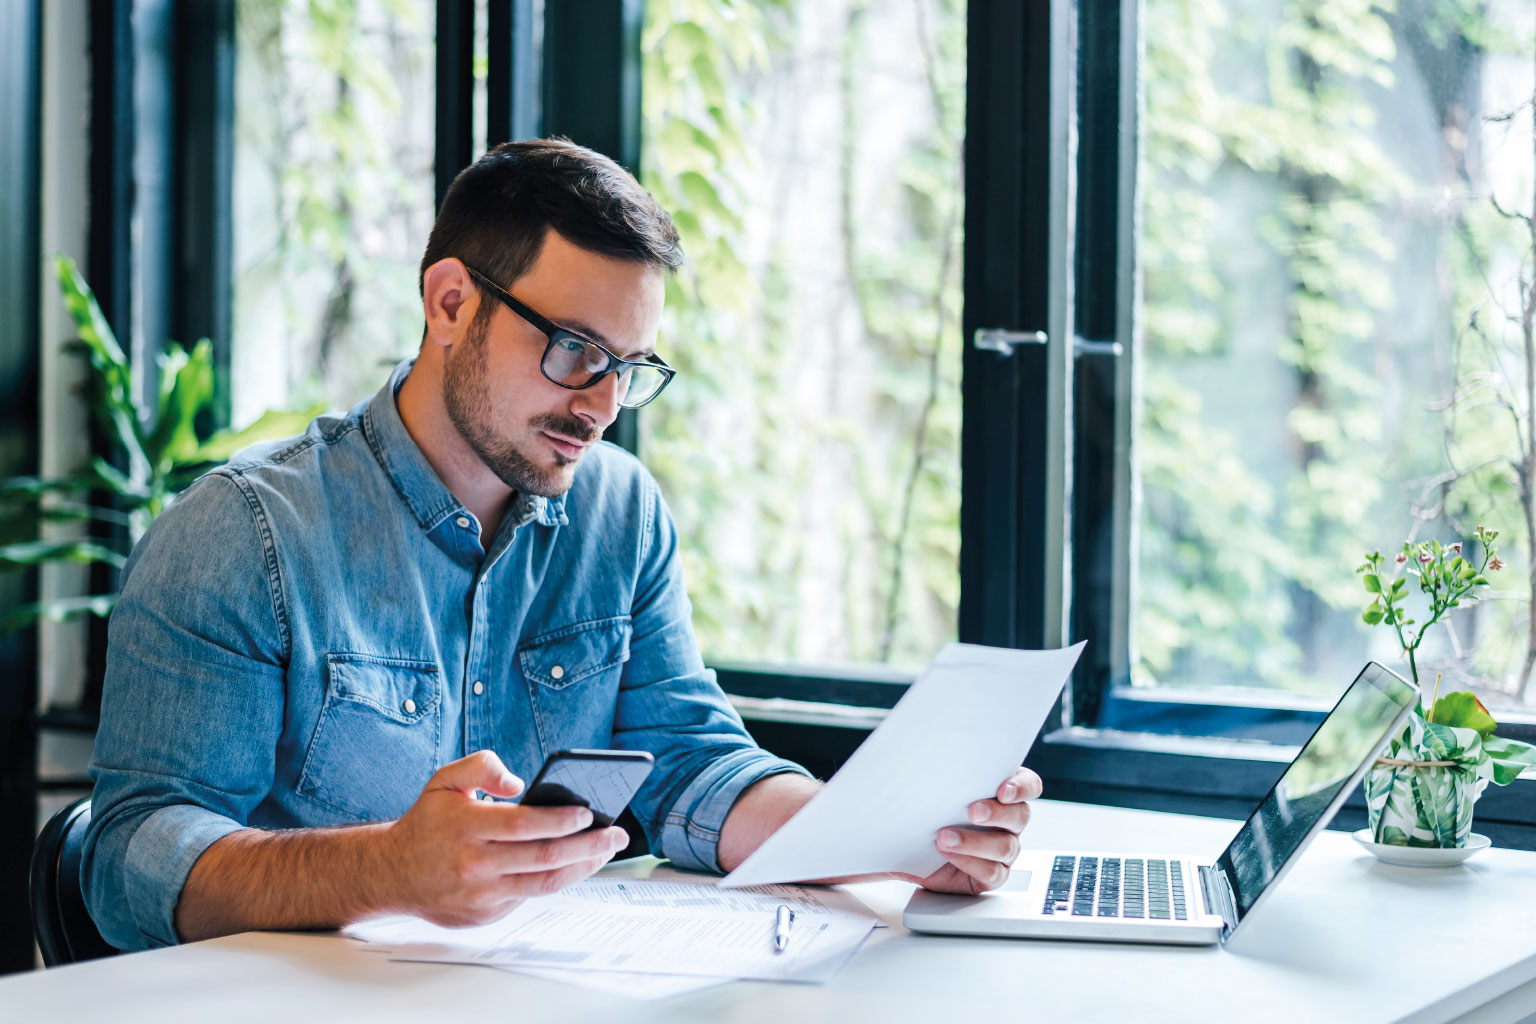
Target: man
310,641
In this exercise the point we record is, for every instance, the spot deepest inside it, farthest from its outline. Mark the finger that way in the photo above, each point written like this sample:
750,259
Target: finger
982,844
988,874
545,883
1012,817
514,823
544,855
481,770
1022,785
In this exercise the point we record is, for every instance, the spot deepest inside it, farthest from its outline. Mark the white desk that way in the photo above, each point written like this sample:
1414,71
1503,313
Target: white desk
1396,944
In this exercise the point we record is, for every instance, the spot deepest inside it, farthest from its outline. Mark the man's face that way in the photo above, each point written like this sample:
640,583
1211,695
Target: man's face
528,430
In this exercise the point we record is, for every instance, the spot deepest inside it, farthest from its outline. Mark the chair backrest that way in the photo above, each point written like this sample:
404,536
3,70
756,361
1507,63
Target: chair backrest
65,931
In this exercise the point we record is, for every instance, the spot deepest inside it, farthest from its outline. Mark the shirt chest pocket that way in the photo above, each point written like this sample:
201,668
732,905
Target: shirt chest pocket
573,676
567,656
376,742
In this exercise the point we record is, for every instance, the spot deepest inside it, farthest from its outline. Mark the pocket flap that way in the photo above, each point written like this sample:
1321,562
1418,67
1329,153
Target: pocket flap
401,690
565,656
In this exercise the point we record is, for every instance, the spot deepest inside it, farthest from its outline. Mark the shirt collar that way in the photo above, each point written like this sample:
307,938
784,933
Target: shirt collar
413,476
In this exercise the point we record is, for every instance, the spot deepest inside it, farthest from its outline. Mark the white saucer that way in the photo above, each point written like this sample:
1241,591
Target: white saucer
1423,856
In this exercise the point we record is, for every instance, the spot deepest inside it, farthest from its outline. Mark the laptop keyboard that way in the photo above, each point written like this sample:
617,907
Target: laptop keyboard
1126,887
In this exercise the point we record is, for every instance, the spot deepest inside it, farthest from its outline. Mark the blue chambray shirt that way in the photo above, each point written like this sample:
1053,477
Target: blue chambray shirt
310,632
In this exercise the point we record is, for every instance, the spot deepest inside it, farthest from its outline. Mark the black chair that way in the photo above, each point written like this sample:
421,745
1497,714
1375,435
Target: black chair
65,931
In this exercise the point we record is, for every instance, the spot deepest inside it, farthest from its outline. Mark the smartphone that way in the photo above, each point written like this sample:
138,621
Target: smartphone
601,780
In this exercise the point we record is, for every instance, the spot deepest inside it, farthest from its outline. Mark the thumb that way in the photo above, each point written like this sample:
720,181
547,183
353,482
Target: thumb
481,770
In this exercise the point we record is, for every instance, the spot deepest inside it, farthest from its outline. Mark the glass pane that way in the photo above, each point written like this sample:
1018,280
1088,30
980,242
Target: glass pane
1332,357
810,152
333,196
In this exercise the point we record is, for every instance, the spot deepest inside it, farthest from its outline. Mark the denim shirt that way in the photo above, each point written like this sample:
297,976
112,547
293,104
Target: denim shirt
310,632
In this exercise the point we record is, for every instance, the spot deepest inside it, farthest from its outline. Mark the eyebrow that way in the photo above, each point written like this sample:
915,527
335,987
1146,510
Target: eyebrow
586,330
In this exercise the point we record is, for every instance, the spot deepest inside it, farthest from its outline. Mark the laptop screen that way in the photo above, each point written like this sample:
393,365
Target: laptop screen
1314,785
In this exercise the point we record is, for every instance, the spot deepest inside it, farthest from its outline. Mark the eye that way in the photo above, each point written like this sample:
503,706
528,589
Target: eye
571,347
594,359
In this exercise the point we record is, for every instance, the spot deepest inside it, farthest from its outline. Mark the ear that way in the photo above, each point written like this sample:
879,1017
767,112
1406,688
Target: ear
450,300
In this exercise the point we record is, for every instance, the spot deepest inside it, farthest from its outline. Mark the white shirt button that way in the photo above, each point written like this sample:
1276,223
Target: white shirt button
557,672
409,706
486,796
464,521
479,687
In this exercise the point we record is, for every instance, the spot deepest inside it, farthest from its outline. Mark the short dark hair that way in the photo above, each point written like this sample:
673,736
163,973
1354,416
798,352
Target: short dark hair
499,208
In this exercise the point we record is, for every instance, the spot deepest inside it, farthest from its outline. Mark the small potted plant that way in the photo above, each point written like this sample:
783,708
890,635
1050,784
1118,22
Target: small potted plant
1420,792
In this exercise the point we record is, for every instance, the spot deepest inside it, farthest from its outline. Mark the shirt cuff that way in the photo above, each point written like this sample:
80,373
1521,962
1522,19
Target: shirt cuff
690,834
160,856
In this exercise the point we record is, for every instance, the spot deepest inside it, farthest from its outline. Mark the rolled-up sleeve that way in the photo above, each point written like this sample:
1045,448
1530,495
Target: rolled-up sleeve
673,707
191,708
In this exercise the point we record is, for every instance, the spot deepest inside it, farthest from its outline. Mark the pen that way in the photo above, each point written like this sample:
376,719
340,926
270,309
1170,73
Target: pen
782,919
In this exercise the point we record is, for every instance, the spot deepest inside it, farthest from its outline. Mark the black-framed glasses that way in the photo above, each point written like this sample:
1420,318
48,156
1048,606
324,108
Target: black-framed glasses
575,362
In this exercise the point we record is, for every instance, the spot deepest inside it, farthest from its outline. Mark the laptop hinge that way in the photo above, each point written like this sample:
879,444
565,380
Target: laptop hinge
1218,896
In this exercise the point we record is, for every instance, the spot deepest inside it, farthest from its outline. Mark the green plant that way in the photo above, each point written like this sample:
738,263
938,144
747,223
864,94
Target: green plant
1444,575
160,451
1421,793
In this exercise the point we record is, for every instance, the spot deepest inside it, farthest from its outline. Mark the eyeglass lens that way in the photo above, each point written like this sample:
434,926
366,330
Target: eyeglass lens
574,363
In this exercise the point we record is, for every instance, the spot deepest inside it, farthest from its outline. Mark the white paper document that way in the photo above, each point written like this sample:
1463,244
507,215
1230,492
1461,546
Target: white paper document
962,727
653,928
386,934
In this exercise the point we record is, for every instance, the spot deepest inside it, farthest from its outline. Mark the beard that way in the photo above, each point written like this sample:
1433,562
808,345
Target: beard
467,397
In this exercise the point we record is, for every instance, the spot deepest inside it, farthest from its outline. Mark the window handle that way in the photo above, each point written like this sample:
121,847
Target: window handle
1083,347
1003,341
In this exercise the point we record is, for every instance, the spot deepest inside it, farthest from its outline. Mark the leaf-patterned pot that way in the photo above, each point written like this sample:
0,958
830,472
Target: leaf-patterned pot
1421,792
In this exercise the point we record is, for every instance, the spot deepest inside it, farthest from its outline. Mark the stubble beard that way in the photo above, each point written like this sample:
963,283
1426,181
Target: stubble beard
466,396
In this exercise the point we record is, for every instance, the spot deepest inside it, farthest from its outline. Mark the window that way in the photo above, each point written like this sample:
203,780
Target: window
1298,339
811,155
1327,352
333,196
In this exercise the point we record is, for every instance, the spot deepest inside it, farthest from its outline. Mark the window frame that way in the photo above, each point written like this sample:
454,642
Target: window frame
21,65
1043,138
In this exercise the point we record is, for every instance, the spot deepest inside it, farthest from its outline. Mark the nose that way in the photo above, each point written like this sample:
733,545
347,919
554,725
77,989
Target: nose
598,404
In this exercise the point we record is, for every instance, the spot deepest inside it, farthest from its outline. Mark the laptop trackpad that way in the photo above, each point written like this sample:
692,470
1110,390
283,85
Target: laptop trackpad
1018,881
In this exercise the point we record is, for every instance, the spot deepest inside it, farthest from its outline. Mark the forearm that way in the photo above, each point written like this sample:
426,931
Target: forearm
305,878
759,812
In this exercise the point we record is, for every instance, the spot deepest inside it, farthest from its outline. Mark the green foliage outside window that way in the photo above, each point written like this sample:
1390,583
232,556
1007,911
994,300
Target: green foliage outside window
737,466
1245,554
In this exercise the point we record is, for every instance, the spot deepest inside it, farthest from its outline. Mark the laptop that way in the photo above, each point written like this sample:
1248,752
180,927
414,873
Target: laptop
1123,897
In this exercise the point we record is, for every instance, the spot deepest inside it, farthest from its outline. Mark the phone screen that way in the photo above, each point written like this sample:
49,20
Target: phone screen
602,780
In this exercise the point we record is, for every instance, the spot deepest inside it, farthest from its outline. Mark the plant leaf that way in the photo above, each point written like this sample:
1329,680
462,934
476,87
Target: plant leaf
58,610
273,423
188,392
1462,710
110,478
27,488
113,374
36,552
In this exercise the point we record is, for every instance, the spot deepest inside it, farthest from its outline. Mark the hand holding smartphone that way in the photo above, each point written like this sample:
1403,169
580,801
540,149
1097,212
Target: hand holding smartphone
604,781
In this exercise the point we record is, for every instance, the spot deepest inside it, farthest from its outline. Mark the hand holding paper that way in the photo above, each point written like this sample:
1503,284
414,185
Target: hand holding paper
963,726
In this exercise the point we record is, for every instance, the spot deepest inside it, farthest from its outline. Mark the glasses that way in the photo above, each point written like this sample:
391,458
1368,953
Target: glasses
574,362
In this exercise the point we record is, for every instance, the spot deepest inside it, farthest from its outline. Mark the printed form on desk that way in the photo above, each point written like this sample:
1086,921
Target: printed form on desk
646,937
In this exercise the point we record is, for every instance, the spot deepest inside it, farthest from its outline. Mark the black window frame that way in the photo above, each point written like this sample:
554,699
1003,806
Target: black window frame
1052,125
21,78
